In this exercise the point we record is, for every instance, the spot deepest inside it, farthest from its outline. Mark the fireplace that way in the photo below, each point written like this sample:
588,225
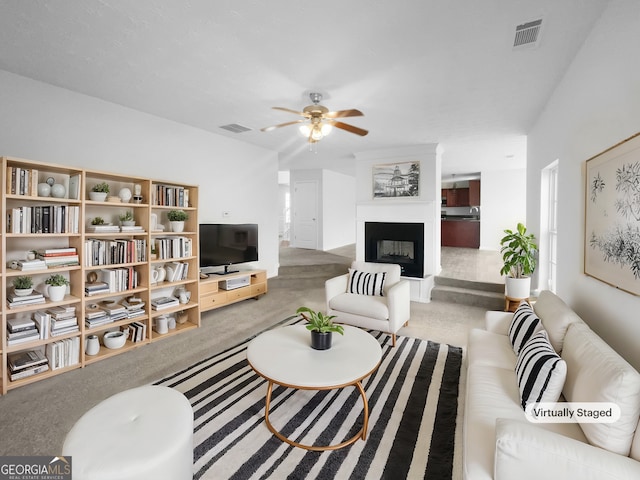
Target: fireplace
399,243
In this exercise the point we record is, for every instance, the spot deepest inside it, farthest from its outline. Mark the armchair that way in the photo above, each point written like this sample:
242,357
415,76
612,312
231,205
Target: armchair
387,312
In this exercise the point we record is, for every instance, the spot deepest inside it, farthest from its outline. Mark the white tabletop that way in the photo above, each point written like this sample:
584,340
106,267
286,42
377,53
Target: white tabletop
285,356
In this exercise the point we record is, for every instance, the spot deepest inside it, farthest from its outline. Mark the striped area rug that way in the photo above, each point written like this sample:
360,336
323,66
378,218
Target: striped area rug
413,402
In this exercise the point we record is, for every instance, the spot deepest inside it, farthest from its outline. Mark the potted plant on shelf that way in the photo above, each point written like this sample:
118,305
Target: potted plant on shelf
99,192
23,285
177,219
57,287
97,221
519,252
126,219
321,327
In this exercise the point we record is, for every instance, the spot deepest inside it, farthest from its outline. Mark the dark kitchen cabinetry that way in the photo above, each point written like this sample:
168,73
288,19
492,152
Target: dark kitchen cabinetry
474,193
455,197
460,233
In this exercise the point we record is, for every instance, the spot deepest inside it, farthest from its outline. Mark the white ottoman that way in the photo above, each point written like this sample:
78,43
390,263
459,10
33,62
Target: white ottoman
142,433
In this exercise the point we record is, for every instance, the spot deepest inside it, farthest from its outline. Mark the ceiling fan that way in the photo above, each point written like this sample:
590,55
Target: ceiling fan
318,120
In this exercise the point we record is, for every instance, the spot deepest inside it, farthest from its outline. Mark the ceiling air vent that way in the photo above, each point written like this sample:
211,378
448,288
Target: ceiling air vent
236,128
527,34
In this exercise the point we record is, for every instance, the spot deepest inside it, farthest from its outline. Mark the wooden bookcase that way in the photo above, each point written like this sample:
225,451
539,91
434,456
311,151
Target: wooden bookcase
129,255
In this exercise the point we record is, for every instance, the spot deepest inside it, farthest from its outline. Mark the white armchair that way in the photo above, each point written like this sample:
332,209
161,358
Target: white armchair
386,313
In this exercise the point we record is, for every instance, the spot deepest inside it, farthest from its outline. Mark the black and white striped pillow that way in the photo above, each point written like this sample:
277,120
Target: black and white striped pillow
540,371
365,283
524,324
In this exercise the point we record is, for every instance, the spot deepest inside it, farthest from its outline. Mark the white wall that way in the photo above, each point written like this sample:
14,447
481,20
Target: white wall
49,124
503,199
339,210
596,105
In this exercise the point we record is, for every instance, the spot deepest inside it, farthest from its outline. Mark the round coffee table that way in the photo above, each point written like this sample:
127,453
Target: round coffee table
284,356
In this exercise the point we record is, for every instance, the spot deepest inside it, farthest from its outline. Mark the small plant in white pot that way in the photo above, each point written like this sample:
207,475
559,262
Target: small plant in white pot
126,219
23,285
177,219
57,287
99,192
321,327
519,252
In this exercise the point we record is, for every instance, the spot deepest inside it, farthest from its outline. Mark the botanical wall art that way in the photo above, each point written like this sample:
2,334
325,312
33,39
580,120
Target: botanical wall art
396,180
612,223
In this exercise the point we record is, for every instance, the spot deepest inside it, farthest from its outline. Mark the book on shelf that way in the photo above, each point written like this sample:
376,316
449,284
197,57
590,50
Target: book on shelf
95,288
28,358
62,311
131,228
63,353
50,252
104,228
61,260
164,302
23,302
28,372
74,187
23,333
64,322
17,324
64,331
43,320
36,264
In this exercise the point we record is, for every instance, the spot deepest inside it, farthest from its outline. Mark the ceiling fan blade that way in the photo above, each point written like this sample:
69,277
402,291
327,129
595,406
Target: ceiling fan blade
349,128
295,112
344,113
273,127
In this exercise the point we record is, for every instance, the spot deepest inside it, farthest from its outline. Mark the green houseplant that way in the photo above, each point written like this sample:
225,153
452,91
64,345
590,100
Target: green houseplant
126,218
57,287
321,327
176,219
519,252
97,221
99,192
23,285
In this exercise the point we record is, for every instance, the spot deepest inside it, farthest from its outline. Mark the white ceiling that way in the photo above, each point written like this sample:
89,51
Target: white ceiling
421,71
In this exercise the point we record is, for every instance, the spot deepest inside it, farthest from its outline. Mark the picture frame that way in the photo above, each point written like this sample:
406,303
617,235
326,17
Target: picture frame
612,216
393,180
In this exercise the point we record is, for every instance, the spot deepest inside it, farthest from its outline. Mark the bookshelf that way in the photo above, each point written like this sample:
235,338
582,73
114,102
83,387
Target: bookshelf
112,269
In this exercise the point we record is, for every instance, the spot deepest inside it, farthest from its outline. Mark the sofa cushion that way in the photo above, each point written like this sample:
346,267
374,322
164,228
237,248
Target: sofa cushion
364,283
363,305
540,371
524,325
488,348
556,317
596,373
392,270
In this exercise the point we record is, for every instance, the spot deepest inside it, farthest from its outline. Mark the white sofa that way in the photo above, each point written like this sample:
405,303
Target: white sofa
500,443
386,313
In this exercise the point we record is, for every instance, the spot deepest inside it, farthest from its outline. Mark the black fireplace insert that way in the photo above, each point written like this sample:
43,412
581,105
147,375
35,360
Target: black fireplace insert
399,243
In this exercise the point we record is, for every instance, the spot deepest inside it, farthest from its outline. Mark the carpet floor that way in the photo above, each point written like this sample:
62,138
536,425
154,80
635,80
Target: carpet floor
413,402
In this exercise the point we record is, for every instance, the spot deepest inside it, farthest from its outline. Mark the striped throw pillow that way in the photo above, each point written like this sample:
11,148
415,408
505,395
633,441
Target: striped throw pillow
365,283
524,324
540,371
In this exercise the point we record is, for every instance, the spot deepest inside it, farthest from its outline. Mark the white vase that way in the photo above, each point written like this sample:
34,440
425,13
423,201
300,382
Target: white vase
58,190
92,345
57,292
177,226
518,288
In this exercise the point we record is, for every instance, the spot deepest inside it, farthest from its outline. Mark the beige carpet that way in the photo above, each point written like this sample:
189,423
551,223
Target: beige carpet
35,419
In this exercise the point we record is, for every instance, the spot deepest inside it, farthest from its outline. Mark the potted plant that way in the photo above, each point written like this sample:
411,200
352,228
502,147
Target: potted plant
176,219
97,221
57,287
126,219
321,327
99,192
519,256
23,285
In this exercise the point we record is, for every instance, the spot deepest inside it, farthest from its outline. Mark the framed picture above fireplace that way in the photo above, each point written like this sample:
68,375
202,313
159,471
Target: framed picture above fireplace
394,180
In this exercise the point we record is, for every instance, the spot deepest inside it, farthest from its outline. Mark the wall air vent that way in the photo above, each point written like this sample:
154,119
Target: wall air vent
528,35
236,128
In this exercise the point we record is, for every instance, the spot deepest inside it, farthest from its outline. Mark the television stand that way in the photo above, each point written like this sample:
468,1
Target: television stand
213,296
226,271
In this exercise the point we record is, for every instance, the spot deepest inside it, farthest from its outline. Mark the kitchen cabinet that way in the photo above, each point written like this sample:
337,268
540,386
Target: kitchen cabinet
474,193
460,233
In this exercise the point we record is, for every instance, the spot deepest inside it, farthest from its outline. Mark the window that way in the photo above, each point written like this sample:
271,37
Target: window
547,260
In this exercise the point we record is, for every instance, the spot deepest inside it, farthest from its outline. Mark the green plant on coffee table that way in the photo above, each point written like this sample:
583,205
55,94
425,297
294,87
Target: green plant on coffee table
101,187
177,216
23,282
319,322
57,280
126,216
97,221
518,252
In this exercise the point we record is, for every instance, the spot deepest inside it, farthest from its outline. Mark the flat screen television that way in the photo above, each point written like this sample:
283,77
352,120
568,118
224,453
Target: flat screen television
225,244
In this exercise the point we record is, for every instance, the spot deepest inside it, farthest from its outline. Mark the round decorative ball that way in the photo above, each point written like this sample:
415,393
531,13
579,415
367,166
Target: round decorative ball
44,190
58,190
125,195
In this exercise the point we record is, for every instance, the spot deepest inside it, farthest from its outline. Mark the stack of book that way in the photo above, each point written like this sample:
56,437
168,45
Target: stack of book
59,257
43,320
104,228
63,320
95,288
131,229
64,353
114,310
161,303
137,331
21,330
36,264
134,306
173,247
26,364
119,279
15,301
178,271
95,316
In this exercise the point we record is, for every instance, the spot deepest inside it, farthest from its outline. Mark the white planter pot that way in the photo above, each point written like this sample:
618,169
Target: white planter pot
98,196
517,288
57,292
177,226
